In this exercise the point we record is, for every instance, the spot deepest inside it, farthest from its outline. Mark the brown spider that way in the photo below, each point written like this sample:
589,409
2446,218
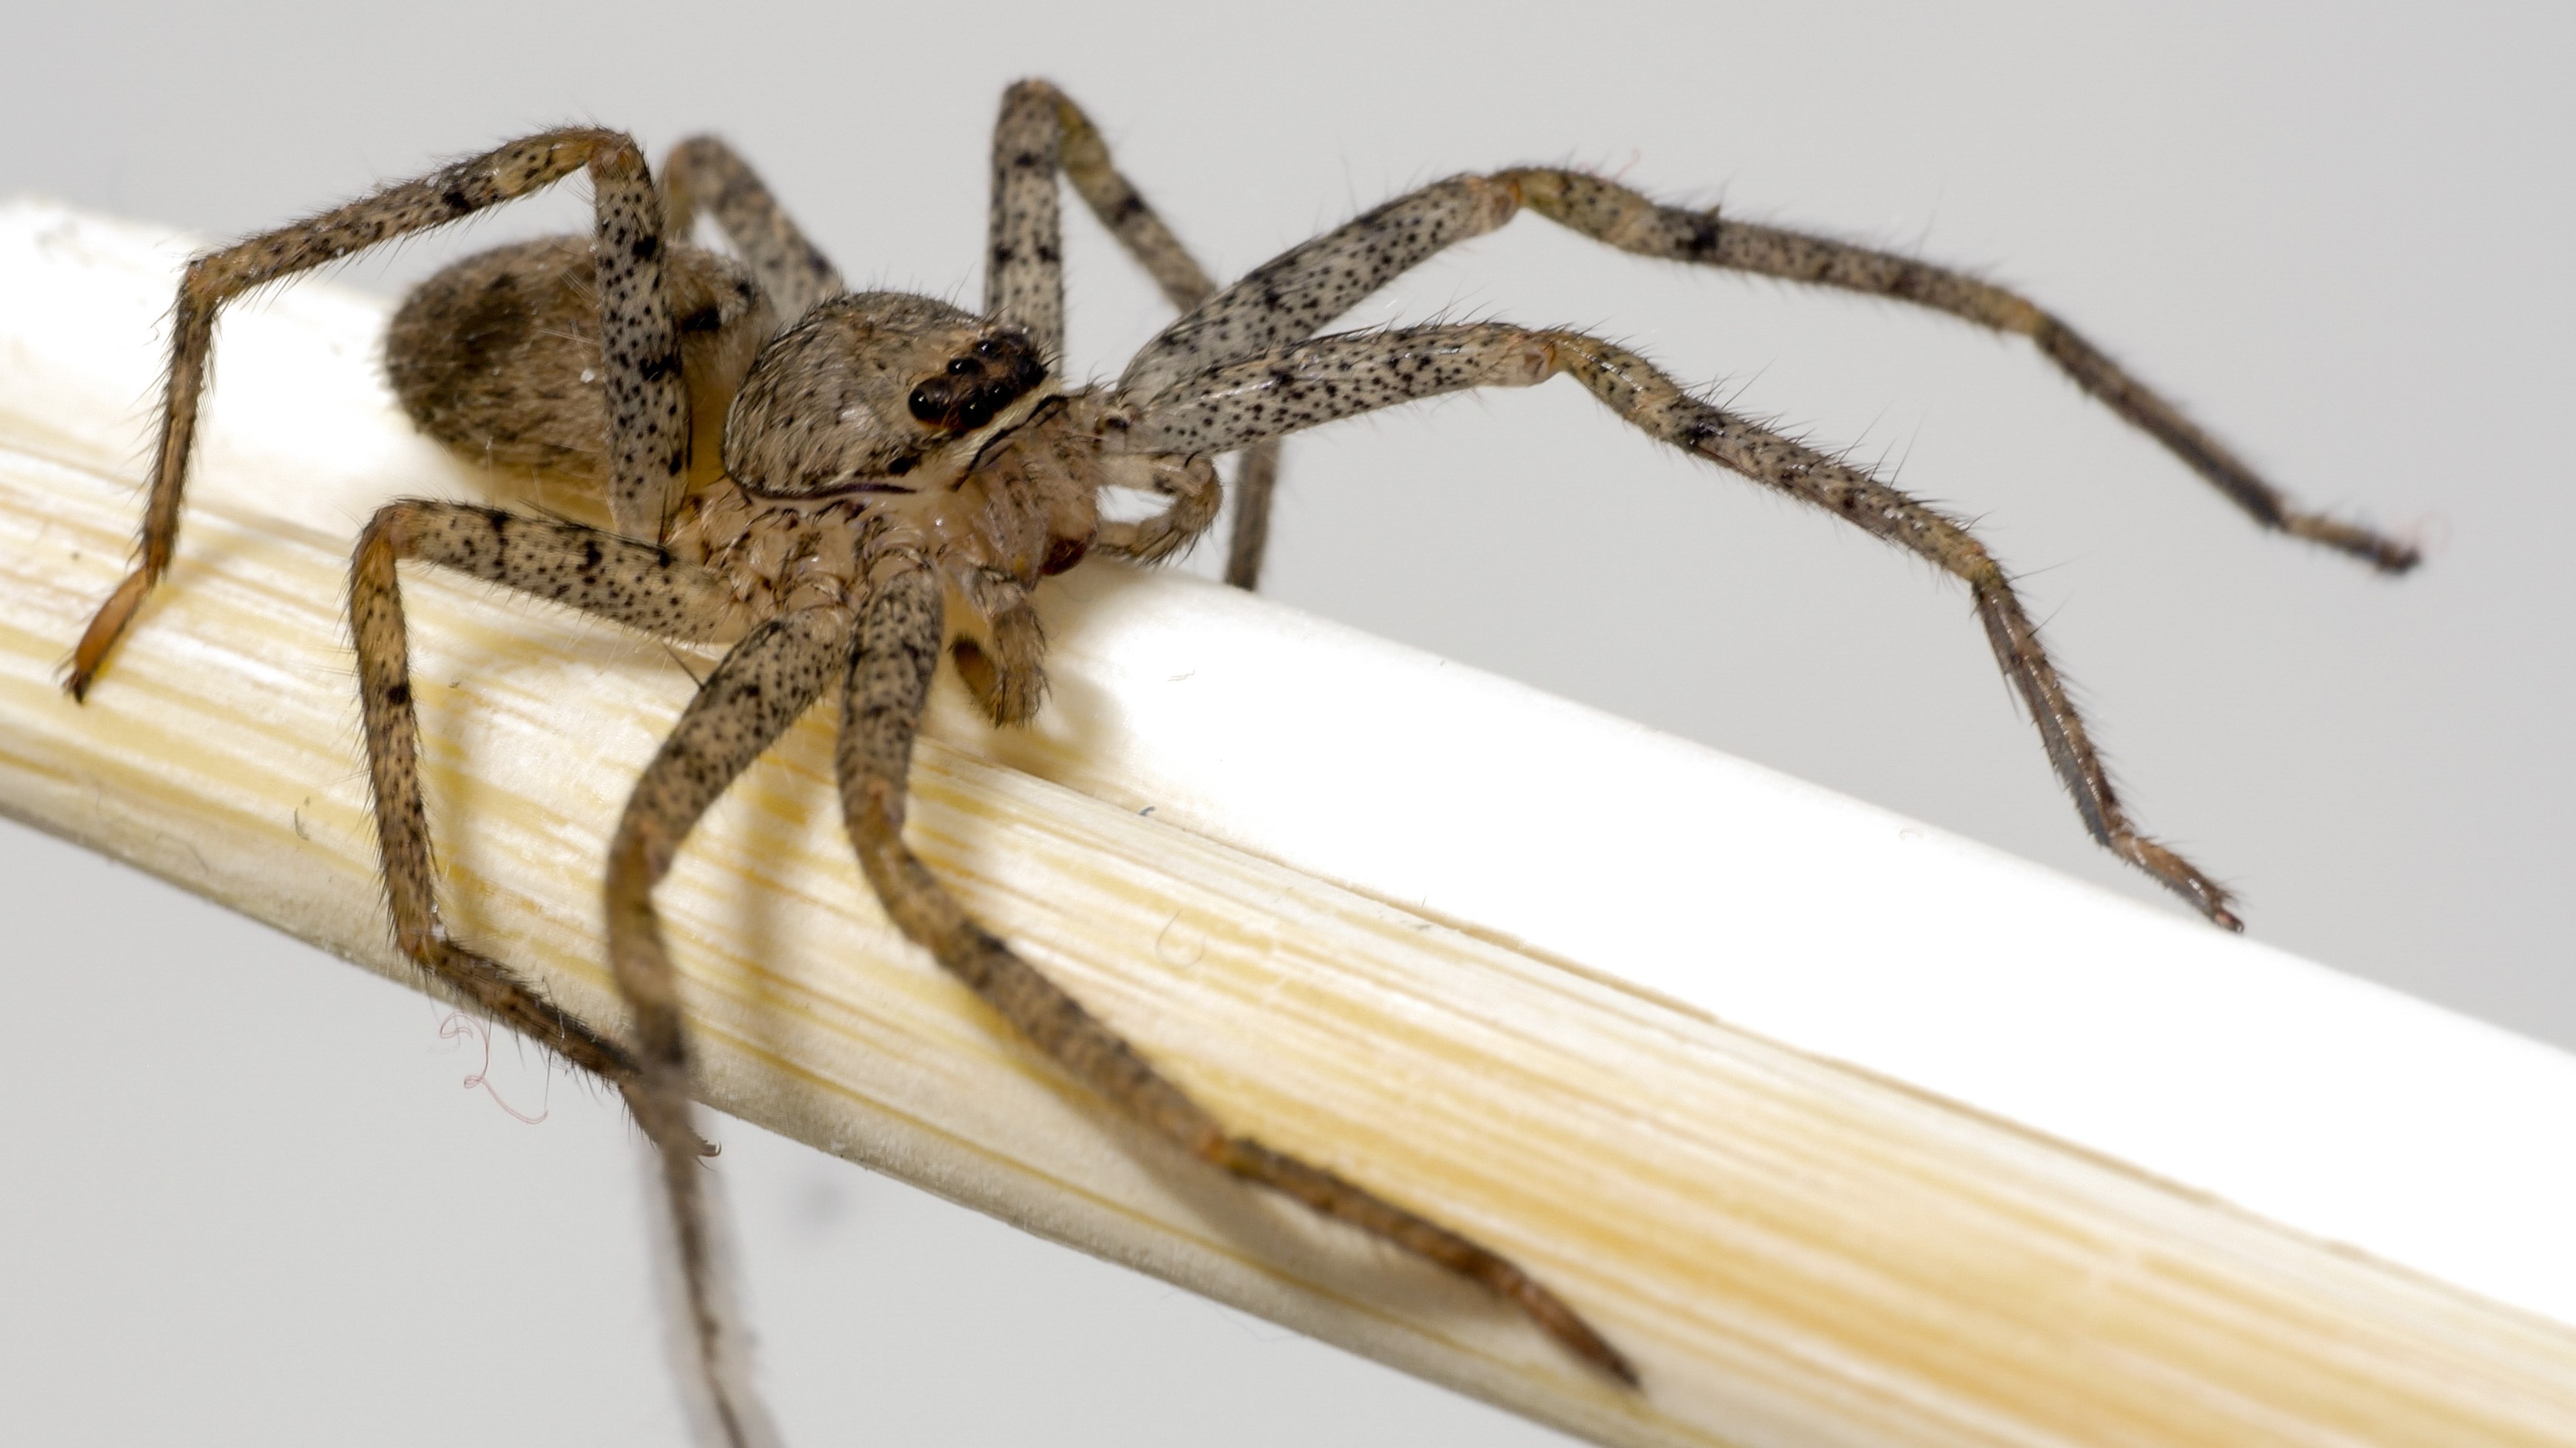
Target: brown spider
843,486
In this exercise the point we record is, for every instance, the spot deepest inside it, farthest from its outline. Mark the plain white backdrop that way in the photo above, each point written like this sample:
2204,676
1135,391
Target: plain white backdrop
252,1202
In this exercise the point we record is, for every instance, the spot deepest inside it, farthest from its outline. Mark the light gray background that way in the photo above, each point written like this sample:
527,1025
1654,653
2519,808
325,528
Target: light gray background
247,1200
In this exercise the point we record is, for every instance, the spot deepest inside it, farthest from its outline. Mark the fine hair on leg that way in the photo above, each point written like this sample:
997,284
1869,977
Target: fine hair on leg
648,405
894,653
761,687
1041,131
1300,292
704,172
1330,378
636,584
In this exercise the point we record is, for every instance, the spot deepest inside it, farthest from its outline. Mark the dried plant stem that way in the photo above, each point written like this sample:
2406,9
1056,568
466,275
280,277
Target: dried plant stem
1793,1251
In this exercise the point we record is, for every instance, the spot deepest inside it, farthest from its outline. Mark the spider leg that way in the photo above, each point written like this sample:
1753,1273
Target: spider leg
1308,383
763,685
631,583
616,578
1004,667
1302,290
648,405
792,270
1040,132
1192,486
895,652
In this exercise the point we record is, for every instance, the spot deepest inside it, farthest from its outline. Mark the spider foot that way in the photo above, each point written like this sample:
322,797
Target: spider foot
105,629
2392,556
2183,878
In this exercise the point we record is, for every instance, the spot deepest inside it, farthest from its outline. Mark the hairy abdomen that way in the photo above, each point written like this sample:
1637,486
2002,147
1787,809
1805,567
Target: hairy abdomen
498,356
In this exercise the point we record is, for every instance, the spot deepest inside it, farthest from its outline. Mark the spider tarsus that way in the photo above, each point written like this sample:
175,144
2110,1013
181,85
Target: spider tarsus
2395,557
105,628
2182,877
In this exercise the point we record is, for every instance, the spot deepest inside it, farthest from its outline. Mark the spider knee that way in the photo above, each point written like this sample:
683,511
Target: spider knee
614,157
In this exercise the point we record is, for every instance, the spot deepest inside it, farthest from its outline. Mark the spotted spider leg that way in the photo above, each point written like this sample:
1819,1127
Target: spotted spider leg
764,685
644,587
1308,383
703,170
1304,289
648,405
1040,132
888,684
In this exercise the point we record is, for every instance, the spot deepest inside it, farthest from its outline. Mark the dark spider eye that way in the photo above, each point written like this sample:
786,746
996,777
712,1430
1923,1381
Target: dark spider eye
963,365
927,405
987,347
977,411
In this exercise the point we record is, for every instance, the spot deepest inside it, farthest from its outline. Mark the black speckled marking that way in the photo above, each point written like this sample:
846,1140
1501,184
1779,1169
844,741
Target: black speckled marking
1330,378
791,269
1024,267
648,402
214,279
897,648
1304,289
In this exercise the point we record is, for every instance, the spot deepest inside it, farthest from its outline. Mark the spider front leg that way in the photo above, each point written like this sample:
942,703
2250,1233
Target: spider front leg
1301,291
1611,213
648,403
1040,132
1335,377
762,687
599,573
615,578
894,654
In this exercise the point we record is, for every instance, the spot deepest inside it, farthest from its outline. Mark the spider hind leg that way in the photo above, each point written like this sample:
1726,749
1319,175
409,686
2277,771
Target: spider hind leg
647,407
644,587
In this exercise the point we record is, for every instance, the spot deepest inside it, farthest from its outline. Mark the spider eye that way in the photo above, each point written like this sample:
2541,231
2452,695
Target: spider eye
975,386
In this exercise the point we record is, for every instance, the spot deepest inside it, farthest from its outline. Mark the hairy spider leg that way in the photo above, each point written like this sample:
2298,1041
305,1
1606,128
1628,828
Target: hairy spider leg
1040,132
615,578
794,272
897,650
1301,291
600,573
764,685
648,405
1309,383
1622,218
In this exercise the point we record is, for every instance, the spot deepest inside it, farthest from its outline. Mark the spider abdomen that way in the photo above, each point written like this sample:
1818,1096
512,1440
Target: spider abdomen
498,356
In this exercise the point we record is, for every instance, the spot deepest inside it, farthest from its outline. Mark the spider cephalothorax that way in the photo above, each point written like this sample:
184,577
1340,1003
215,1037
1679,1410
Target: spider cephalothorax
847,487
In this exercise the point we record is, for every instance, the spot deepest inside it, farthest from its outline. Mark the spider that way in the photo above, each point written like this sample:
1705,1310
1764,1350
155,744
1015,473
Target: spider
845,487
